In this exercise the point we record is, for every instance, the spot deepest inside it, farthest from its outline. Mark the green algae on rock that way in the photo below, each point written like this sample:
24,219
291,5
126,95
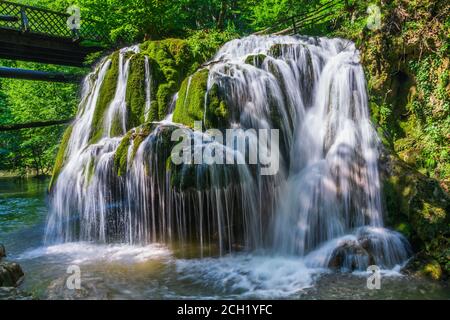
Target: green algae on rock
106,95
136,91
60,157
196,103
191,99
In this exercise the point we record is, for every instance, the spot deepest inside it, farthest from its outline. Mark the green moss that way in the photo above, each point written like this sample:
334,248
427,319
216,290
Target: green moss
170,60
106,95
153,114
191,99
433,269
409,102
255,59
90,170
165,92
276,50
137,142
61,156
121,155
217,112
135,94
173,59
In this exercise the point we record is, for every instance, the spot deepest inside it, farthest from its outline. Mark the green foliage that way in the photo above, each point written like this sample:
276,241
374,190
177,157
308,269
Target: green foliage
406,64
32,151
419,208
432,115
205,43
153,19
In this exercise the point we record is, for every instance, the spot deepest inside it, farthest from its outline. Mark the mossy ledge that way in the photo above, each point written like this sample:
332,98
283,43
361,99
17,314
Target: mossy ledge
106,95
135,93
170,62
121,155
255,60
61,156
192,98
174,60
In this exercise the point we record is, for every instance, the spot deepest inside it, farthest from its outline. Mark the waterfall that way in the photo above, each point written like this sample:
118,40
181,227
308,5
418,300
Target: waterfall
323,204
147,89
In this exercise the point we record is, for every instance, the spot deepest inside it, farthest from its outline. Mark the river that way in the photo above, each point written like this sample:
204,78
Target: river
118,271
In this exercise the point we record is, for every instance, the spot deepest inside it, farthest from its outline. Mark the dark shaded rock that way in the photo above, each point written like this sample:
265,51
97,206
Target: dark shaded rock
10,274
2,251
350,256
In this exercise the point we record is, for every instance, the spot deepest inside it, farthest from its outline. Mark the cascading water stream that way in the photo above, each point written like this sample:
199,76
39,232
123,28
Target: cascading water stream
324,204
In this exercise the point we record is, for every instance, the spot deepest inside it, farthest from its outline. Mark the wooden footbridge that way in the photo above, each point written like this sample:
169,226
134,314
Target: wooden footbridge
39,35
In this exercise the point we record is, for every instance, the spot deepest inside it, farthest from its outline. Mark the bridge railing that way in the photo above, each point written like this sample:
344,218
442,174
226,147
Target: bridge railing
296,23
23,18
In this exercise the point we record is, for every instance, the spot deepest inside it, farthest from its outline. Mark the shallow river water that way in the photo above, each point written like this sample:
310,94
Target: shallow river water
159,272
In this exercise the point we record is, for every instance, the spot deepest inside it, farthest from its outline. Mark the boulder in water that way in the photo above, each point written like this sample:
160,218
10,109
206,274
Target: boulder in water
350,256
10,274
2,251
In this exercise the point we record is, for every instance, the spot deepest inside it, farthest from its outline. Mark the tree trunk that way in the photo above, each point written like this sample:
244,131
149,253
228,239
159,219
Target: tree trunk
222,14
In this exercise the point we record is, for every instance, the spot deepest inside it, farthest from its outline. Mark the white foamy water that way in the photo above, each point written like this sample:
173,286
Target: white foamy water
248,276
83,252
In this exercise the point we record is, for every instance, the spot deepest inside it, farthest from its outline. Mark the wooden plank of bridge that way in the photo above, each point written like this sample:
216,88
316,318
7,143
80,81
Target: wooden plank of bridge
16,45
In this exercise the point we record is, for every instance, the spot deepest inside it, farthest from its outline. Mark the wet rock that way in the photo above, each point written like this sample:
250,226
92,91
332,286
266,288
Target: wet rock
10,274
350,256
2,251
256,60
91,288
11,293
